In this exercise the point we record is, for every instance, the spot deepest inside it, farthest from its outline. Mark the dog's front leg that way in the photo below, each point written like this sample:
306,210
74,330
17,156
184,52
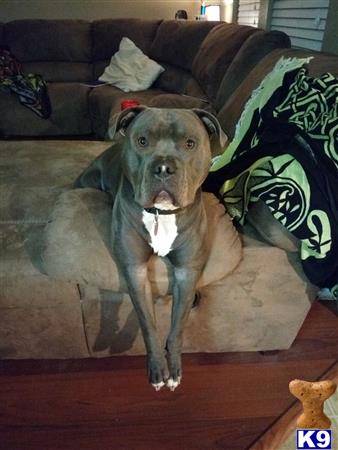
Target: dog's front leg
183,298
140,294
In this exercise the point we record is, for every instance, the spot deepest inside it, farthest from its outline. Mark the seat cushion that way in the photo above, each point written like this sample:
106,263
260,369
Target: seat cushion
77,244
105,101
69,115
33,174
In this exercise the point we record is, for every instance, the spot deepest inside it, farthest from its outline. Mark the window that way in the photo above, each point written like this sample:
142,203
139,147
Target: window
213,12
303,21
248,12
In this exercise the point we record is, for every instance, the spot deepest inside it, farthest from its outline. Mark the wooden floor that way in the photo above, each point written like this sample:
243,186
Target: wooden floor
227,401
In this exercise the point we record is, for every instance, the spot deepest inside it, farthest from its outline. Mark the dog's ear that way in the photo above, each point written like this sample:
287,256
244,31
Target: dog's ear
218,138
119,122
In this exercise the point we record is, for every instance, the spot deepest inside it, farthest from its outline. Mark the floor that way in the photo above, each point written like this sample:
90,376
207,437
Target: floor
227,401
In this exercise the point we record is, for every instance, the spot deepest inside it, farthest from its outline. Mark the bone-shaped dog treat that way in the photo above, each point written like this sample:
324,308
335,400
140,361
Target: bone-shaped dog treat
313,396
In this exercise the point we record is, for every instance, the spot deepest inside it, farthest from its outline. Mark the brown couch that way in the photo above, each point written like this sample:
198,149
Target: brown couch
67,53
60,294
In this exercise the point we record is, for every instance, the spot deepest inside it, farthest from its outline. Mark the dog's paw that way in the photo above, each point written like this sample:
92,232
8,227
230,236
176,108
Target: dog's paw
172,384
157,372
175,370
158,386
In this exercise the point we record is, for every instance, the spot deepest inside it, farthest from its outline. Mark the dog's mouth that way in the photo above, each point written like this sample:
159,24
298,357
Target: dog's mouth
164,200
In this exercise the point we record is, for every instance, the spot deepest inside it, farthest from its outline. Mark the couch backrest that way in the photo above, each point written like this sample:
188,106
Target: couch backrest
206,52
54,48
178,41
216,53
255,48
107,35
179,81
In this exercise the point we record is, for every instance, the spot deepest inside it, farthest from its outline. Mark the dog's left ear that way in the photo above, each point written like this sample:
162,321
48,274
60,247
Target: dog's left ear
218,138
121,121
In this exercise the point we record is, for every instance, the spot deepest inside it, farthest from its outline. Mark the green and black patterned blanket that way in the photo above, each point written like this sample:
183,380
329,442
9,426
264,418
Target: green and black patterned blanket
285,152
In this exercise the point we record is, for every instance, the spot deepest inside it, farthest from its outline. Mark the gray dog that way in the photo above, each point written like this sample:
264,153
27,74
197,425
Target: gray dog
154,173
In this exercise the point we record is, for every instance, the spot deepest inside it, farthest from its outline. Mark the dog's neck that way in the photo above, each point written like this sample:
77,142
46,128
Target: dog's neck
163,225
165,212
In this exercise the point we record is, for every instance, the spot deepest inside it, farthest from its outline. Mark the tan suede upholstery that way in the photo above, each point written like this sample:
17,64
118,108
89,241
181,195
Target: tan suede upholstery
213,58
253,50
49,40
70,113
177,42
180,81
60,284
107,35
63,71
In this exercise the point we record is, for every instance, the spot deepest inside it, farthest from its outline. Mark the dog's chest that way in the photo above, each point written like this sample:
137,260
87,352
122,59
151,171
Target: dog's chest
163,234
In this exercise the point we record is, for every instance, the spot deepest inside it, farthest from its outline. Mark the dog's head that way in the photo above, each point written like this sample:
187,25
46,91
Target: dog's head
167,153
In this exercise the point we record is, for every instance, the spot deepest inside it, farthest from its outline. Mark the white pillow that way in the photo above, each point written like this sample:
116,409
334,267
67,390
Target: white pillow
130,69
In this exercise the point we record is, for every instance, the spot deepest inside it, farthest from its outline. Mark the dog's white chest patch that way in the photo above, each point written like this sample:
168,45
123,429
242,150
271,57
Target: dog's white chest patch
162,241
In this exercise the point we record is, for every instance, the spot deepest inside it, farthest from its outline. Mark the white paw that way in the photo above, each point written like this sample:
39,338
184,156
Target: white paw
172,385
158,386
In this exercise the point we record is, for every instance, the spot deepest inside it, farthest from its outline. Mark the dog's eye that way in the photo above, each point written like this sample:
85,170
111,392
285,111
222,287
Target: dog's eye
142,141
189,144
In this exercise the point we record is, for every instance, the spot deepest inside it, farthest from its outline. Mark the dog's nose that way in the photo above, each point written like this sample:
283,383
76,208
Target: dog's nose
164,169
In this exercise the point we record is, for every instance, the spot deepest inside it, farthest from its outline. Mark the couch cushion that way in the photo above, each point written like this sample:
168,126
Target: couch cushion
49,40
87,213
69,113
179,81
50,324
107,35
231,111
105,101
216,53
251,52
60,71
33,175
177,41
